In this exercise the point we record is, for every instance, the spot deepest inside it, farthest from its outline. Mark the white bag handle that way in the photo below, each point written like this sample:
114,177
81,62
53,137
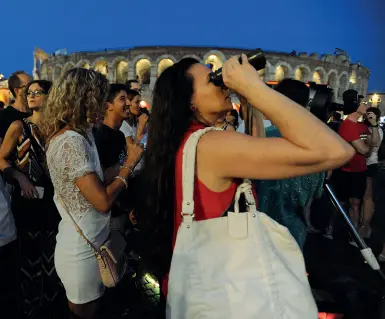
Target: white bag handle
245,188
188,172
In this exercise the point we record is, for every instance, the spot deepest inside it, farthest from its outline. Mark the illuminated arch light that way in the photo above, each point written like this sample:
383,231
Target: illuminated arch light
317,77
281,72
85,66
143,71
102,67
215,61
353,78
121,71
262,74
163,65
301,74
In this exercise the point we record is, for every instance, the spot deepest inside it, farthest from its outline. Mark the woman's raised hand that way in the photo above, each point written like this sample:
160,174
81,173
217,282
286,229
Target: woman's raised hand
239,77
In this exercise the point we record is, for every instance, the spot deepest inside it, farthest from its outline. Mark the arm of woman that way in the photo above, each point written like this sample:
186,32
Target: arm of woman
10,140
101,197
307,145
75,160
9,143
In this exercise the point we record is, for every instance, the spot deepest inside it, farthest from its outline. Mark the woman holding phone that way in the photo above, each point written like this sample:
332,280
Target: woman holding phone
22,160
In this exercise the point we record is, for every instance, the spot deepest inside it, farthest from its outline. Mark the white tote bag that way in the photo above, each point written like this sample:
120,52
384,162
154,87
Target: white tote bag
241,266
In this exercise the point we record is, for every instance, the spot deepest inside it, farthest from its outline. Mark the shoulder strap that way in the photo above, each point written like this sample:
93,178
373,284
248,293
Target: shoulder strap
78,229
188,172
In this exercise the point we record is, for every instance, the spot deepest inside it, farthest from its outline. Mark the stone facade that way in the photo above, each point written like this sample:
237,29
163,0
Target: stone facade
146,64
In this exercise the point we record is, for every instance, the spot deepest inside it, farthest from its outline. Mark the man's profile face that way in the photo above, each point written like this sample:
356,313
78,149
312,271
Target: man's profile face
20,91
118,106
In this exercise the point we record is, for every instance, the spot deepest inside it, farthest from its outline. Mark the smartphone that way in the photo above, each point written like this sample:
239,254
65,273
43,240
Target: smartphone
40,191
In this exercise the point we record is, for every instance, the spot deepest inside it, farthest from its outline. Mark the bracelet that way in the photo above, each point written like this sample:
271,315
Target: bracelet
126,167
123,180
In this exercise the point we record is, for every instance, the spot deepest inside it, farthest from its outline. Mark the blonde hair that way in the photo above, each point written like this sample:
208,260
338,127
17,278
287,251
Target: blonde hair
77,100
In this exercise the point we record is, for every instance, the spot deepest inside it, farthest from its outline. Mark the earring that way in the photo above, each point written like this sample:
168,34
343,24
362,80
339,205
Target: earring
193,107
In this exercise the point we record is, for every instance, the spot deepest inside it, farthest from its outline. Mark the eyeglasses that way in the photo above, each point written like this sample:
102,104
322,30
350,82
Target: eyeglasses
37,93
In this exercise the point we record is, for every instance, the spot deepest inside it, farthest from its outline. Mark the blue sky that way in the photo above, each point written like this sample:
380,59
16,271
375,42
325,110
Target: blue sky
356,26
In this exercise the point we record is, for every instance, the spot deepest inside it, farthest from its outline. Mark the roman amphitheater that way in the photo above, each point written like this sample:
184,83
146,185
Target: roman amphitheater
147,63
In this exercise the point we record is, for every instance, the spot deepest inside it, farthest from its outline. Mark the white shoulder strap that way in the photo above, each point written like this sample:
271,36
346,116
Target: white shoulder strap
188,172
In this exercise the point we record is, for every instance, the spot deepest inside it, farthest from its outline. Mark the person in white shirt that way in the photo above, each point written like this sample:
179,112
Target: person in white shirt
9,292
372,163
135,127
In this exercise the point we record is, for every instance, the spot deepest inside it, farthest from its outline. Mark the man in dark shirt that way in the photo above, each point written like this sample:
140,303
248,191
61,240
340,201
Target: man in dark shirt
111,144
19,109
109,140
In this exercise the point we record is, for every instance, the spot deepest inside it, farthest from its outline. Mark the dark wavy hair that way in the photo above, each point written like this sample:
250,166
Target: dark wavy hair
44,84
170,118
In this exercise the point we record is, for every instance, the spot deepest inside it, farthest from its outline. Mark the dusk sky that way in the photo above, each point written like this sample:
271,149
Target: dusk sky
356,26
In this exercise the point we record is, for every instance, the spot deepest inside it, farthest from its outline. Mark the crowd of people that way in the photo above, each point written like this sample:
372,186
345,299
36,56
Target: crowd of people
80,158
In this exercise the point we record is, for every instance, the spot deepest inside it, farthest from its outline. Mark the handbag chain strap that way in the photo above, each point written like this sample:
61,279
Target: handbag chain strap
78,229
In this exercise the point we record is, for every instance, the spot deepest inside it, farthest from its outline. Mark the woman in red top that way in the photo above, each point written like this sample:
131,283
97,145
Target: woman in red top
185,101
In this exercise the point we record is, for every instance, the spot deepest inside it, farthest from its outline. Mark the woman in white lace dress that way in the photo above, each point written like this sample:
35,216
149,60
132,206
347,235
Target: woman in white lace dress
75,101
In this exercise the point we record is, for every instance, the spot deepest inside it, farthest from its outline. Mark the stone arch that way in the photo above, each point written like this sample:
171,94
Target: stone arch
133,68
85,64
333,80
163,65
193,56
101,66
302,73
282,70
269,70
120,69
163,62
44,72
216,58
166,56
143,70
68,66
319,75
57,72
343,81
50,73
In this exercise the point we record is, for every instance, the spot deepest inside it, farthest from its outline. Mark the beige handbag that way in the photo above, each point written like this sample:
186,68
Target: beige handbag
111,257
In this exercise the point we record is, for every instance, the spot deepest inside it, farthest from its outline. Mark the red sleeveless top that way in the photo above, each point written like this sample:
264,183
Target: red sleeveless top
208,203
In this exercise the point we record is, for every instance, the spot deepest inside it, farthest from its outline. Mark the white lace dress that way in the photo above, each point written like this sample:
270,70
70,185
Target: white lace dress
70,156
